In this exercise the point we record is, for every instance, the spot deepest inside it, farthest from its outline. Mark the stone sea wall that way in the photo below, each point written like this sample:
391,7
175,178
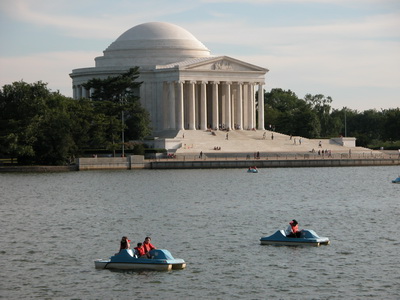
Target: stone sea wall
138,162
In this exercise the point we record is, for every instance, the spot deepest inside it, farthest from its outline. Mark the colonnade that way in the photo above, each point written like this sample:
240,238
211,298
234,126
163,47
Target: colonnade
200,105
217,105
79,91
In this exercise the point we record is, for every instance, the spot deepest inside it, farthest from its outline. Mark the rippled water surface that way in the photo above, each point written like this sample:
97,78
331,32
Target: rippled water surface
54,225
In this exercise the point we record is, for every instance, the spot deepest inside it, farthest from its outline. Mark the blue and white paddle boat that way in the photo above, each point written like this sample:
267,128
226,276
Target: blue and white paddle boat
397,180
252,170
161,260
307,237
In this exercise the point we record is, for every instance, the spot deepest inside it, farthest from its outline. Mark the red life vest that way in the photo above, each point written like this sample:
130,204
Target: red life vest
140,250
147,247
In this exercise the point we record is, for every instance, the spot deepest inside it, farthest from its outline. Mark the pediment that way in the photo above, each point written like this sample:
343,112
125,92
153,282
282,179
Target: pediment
220,63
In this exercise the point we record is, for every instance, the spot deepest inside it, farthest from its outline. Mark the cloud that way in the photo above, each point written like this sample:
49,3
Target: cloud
68,16
52,68
331,56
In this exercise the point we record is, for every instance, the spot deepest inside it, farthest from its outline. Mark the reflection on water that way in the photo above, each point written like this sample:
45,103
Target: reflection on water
54,225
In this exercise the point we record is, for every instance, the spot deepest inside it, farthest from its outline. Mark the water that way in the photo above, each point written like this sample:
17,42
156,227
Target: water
54,225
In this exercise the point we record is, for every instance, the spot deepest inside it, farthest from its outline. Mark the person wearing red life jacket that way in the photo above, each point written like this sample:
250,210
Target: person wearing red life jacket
293,229
147,245
139,250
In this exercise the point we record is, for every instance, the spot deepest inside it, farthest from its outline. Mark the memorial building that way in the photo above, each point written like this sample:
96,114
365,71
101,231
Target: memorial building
184,86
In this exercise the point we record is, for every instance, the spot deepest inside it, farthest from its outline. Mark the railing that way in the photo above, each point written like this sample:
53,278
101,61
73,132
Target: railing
275,156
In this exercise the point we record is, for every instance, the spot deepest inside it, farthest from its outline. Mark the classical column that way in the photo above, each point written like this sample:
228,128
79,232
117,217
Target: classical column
203,106
228,108
171,103
239,106
74,92
165,105
91,92
250,105
191,105
215,120
79,89
84,92
260,106
179,111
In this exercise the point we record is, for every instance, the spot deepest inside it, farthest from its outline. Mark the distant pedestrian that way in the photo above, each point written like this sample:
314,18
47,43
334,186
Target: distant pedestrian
272,136
320,144
227,136
299,141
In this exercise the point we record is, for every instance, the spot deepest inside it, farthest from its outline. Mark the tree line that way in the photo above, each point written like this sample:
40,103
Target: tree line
313,117
39,126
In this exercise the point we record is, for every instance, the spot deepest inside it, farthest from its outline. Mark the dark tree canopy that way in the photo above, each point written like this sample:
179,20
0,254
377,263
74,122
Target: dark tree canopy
117,95
313,117
38,126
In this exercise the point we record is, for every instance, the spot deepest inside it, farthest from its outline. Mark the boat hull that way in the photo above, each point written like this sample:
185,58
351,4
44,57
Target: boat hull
161,260
307,238
101,264
295,243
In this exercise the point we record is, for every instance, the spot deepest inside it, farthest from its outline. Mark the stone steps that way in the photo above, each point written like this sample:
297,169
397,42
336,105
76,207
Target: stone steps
241,141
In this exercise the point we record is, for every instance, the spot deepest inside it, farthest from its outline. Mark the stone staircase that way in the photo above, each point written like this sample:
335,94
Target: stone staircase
246,141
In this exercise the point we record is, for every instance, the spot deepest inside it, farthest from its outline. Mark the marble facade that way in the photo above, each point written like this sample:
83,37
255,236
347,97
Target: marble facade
184,87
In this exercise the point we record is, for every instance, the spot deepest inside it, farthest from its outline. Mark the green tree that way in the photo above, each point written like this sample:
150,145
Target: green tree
321,106
40,126
391,125
21,115
290,115
115,98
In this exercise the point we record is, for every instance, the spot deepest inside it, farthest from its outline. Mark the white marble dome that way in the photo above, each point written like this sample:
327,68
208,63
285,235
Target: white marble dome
150,44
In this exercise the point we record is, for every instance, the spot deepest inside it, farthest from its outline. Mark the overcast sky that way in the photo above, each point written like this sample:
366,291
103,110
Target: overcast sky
346,49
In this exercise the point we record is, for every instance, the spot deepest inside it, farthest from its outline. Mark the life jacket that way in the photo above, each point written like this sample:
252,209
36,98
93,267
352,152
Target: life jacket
148,247
140,250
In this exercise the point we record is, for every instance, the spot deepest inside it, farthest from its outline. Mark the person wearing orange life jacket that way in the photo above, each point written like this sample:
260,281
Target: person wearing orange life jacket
139,250
293,229
147,245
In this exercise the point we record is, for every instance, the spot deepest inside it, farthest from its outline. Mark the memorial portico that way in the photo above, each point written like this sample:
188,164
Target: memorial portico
214,104
184,87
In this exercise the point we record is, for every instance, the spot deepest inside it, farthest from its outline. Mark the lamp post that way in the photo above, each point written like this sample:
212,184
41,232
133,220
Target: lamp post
123,134
345,123
123,100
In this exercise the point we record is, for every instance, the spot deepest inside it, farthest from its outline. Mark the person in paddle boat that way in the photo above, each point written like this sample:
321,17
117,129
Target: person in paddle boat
125,243
139,250
147,245
293,229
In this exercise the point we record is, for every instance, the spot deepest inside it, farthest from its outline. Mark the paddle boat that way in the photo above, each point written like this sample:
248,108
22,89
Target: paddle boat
307,237
252,170
161,260
397,180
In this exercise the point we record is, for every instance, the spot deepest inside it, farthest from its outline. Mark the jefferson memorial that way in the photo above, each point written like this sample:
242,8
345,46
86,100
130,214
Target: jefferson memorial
184,86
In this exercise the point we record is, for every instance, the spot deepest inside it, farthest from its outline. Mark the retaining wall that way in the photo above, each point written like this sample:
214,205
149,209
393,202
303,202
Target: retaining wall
273,163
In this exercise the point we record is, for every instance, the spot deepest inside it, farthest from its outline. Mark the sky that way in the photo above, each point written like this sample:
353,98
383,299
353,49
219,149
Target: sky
346,49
